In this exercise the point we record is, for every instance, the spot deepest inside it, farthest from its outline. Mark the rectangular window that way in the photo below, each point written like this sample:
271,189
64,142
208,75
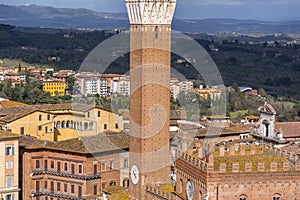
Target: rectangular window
95,169
88,114
99,113
46,129
72,189
95,189
22,131
40,117
105,126
79,191
45,164
48,117
52,164
116,126
37,186
9,197
9,151
52,186
66,166
58,166
125,163
37,164
58,186
40,128
45,184
65,187
9,165
111,165
103,166
73,168
9,180
79,169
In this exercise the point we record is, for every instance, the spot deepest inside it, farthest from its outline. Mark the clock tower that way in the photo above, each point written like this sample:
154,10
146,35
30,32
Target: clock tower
150,55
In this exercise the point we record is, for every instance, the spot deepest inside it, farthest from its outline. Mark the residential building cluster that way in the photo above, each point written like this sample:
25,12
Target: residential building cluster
258,158
78,151
62,151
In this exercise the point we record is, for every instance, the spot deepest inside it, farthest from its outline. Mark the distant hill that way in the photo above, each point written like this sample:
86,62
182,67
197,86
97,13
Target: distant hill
44,16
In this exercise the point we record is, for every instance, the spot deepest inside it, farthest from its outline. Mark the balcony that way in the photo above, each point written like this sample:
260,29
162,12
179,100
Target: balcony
59,195
85,177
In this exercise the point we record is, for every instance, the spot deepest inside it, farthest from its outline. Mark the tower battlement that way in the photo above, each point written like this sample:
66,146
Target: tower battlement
152,12
243,158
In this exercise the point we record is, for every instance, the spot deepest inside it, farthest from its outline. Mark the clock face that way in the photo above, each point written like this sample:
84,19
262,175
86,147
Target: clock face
190,190
134,174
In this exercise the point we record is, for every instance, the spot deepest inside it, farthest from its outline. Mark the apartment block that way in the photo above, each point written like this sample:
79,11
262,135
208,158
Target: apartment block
9,166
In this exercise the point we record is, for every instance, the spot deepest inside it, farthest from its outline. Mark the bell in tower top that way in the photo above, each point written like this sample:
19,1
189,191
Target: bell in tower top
152,12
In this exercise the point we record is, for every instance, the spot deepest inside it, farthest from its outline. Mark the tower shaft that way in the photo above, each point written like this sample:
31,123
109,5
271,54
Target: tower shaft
150,58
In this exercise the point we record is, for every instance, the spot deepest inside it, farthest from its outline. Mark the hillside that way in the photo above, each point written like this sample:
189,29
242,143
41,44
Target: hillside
43,16
242,59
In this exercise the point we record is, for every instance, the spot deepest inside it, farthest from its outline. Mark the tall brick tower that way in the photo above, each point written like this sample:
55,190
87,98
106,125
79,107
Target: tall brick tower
150,54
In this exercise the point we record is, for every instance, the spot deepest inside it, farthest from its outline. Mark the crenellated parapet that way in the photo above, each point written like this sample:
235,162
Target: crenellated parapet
242,158
152,12
200,164
158,193
253,158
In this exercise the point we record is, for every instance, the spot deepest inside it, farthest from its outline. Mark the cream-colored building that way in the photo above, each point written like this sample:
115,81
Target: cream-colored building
59,121
9,166
27,120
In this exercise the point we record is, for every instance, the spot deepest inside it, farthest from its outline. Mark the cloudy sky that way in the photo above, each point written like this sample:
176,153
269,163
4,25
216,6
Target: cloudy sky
197,9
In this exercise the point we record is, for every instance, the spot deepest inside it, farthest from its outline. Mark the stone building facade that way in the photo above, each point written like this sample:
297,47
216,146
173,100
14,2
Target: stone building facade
59,121
239,171
73,169
9,166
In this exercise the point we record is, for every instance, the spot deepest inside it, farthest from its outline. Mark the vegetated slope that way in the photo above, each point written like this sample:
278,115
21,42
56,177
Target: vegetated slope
275,68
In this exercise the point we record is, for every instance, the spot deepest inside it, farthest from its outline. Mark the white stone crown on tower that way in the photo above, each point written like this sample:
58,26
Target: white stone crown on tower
154,12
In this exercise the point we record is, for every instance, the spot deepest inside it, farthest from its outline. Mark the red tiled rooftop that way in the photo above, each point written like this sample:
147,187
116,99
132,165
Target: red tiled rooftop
289,129
103,142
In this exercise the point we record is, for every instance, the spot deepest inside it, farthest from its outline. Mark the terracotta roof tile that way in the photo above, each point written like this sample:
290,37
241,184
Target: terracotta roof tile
10,104
103,142
289,129
5,135
267,108
13,113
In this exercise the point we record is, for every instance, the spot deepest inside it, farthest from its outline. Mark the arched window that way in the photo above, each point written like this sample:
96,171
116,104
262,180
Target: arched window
243,197
72,124
91,126
63,124
80,126
68,124
112,183
58,125
86,126
276,197
200,195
